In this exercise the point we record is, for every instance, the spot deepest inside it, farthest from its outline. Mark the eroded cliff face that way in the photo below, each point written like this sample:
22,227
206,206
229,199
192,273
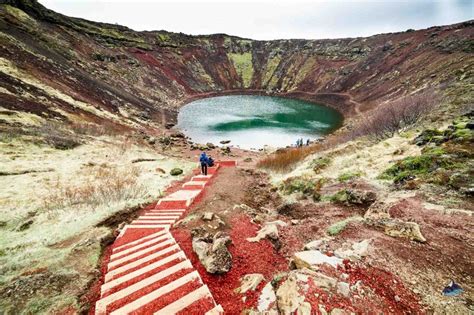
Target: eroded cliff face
69,69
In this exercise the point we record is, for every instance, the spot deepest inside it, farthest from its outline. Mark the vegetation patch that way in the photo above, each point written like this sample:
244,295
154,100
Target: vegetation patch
445,160
344,177
243,65
338,227
319,164
304,185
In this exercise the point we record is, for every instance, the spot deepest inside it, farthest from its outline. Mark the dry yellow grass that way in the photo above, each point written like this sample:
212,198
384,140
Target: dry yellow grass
284,160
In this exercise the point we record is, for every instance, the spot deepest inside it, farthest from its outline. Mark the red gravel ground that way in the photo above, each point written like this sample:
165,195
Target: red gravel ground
259,257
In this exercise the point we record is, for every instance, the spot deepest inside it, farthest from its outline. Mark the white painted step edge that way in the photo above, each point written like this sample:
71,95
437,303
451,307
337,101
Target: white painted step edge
185,301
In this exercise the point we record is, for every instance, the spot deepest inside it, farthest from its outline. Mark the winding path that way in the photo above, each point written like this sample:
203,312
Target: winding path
148,273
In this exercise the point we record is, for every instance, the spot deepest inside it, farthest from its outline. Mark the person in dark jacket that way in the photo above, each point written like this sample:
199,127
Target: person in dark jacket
203,159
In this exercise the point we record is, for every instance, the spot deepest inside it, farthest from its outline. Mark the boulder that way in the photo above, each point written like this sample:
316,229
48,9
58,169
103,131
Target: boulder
224,141
288,295
176,171
250,282
210,145
169,125
311,259
212,251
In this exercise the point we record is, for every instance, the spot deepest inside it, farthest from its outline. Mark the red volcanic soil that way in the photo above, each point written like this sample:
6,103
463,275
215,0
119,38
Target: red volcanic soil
247,257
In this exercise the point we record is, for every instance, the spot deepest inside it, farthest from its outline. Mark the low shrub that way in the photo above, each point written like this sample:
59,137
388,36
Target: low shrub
388,119
54,135
338,227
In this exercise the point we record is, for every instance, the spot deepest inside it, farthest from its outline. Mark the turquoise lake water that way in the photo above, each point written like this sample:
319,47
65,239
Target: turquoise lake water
251,122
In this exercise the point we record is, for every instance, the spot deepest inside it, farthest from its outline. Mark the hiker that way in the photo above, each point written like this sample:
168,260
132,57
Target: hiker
204,161
307,142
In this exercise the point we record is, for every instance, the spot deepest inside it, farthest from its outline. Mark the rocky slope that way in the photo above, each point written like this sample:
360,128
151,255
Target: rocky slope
73,70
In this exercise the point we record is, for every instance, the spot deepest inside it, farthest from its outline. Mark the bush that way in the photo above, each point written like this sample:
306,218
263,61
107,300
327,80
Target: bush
388,119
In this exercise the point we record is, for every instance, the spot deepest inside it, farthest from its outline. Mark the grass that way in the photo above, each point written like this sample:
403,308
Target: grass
283,161
104,186
320,163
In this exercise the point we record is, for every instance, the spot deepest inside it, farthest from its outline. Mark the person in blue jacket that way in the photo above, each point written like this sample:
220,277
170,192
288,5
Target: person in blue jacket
204,160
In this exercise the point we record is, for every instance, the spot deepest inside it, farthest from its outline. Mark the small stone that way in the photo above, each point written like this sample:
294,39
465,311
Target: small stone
160,170
24,225
210,145
268,231
343,288
295,222
176,171
224,141
208,216
313,258
250,282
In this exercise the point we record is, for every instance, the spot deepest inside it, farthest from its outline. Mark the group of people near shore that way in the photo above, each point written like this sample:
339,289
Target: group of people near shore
299,142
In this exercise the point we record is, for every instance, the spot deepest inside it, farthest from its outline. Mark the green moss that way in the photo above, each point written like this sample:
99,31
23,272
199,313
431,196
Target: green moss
320,163
269,80
412,166
306,186
18,14
340,197
244,66
464,134
348,176
338,227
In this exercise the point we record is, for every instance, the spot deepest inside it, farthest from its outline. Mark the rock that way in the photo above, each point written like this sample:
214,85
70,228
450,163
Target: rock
208,216
397,228
378,210
288,296
268,231
210,145
292,293
160,170
3,223
344,289
225,150
178,135
24,225
320,244
212,251
248,160
359,250
169,125
294,222
151,140
267,298
176,171
250,282
304,309
360,197
311,259
224,141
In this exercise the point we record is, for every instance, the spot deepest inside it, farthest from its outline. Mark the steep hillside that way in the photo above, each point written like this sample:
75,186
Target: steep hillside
69,69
